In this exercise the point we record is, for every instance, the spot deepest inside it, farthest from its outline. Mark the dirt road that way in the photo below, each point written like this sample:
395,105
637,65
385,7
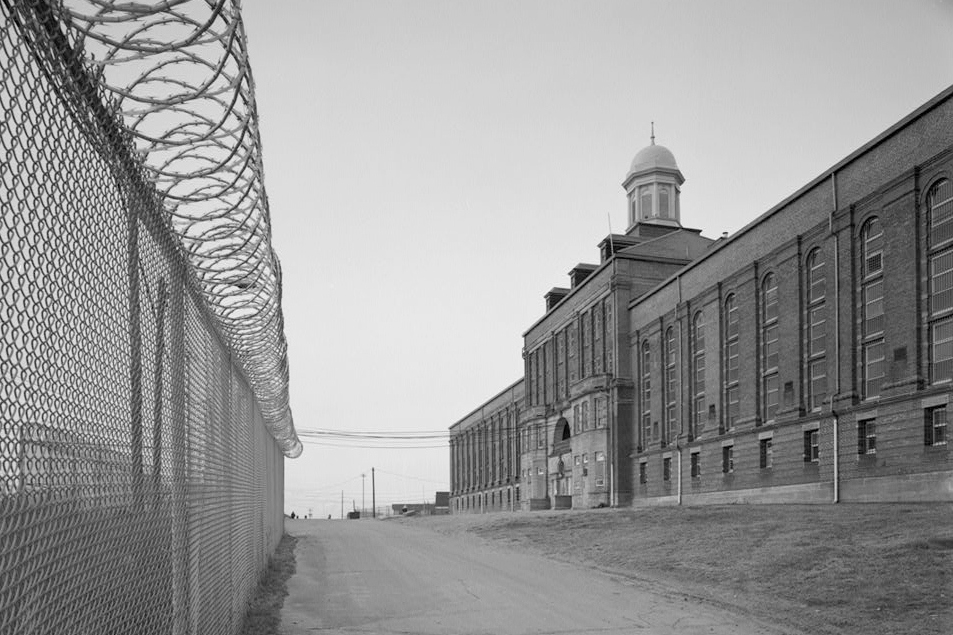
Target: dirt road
386,577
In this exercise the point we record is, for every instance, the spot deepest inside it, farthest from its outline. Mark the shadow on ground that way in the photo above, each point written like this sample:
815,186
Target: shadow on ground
264,611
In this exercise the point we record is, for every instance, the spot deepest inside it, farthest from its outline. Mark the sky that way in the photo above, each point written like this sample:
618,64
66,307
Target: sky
433,168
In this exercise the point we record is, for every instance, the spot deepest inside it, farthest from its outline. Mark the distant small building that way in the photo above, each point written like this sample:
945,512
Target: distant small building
423,509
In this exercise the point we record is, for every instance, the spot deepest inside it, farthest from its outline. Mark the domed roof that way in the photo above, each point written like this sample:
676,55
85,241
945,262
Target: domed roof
653,157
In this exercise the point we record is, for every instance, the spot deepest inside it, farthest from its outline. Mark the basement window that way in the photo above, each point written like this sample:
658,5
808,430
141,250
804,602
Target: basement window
767,454
728,459
867,437
934,427
811,451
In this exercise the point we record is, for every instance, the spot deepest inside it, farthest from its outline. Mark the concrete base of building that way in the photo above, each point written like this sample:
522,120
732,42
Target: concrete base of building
562,502
902,488
804,493
535,504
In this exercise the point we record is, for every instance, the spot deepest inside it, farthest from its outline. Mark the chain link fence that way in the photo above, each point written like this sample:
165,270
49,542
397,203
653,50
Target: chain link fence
141,489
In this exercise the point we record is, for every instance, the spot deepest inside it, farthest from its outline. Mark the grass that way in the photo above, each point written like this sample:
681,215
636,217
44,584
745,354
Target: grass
833,569
264,611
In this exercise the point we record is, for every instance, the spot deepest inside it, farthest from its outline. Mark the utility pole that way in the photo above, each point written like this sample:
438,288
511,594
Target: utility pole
362,494
373,496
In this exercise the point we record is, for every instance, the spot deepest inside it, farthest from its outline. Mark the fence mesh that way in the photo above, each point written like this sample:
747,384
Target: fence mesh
141,486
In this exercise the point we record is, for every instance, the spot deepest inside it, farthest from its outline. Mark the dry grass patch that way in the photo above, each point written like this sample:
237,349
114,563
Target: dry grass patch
877,569
264,611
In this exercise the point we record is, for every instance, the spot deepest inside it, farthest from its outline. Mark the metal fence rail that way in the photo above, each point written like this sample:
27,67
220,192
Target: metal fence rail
141,487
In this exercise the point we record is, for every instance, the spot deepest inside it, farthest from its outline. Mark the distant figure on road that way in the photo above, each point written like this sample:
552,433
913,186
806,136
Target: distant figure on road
292,515
329,516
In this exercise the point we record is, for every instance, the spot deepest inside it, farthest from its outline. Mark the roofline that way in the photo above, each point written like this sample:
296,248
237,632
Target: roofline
483,405
619,254
943,96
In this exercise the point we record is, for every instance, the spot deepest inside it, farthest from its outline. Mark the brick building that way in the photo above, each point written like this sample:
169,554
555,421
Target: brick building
808,357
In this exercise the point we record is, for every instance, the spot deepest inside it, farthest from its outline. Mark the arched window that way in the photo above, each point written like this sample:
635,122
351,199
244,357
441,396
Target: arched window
872,241
663,202
730,353
769,348
646,392
671,384
645,202
816,330
940,211
698,371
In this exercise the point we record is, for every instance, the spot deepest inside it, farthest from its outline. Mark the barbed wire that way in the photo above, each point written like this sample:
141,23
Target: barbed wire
176,73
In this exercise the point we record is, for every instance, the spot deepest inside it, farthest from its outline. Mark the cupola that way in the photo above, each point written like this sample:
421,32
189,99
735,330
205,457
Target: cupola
653,186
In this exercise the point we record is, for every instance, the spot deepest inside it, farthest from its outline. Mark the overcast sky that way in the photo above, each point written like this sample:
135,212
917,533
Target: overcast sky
434,168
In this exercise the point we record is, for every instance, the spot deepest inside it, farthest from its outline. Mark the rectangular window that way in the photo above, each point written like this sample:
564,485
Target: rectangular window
597,352
767,454
874,308
728,459
818,333
540,438
873,368
646,394
732,410
666,469
585,459
732,320
600,469
934,431
941,350
585,416
643,478
539,471
698,374
575,460
576,420
602,414
571,357
867,436
696,465
607,317
941,282
586,344
771,347
771,394
548,375
732,368
811,450
817,386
